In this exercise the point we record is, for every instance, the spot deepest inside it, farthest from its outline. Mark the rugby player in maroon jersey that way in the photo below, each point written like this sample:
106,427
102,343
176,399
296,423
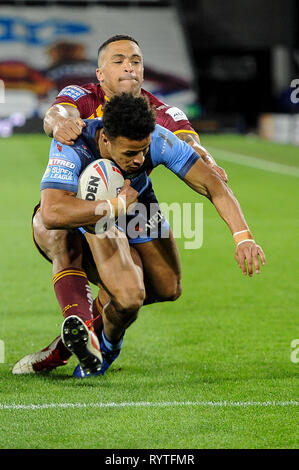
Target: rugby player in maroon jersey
120,70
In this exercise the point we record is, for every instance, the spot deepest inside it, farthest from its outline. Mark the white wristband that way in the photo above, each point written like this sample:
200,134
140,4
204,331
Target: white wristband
247,240
111,209
123,203
241,231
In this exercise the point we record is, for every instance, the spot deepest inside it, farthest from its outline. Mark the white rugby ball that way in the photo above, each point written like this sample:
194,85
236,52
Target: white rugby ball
100,180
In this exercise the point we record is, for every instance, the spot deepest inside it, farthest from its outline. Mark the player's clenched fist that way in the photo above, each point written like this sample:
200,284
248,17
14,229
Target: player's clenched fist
68,129
249,254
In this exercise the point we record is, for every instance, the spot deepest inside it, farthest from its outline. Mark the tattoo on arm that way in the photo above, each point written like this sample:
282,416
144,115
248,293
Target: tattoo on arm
189,138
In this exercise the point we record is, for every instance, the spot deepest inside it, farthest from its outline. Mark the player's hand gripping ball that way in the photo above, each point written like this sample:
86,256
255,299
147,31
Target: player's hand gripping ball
101,180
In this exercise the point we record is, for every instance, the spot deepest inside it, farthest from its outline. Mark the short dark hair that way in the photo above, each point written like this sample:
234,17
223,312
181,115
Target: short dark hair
117,37
128,116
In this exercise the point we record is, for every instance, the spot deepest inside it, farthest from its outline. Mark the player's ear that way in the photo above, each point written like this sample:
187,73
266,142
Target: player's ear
99,74
105,138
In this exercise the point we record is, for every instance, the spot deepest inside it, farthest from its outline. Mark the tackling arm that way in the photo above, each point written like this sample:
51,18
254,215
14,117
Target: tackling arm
193,140
63,122
205,180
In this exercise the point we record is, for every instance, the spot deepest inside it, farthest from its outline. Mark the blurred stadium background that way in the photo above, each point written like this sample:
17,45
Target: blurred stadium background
229,65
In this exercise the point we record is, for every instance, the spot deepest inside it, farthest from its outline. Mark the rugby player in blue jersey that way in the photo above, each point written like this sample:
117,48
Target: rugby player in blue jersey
120,69
126,134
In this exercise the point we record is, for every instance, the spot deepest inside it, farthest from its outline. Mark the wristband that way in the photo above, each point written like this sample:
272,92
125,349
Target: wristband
242,235
118,204
111,208
123,203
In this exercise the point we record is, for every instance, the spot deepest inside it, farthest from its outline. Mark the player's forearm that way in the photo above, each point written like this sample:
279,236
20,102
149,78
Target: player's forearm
229,208
194,141
206,181
52,116
69,212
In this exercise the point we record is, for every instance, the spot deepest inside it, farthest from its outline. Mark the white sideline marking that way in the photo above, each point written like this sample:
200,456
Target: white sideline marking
247,160
145,404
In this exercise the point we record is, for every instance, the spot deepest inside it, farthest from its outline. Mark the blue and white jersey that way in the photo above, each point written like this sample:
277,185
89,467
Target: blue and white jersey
66,163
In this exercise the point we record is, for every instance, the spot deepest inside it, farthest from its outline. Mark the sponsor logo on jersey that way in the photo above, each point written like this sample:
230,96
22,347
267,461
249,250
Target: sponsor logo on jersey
176,114
47,172
62,163
74,92
59,169
59,173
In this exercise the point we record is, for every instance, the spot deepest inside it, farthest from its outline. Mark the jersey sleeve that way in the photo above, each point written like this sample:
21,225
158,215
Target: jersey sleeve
63,168
78,97
170,151
174,119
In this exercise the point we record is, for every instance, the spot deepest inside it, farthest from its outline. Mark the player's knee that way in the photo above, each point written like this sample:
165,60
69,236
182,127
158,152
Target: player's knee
130,299
174,293
169,291
178,291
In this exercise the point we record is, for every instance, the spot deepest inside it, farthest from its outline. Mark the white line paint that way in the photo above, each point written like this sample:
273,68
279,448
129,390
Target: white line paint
253,162
148,404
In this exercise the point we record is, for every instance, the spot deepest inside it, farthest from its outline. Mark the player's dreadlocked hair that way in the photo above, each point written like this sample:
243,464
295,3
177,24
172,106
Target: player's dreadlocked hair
117,37
127,116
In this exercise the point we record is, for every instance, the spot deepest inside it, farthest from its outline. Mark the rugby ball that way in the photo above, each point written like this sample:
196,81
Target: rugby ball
100,180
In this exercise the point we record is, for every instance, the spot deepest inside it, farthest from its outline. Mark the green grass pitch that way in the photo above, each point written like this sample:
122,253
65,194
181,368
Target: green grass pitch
211,370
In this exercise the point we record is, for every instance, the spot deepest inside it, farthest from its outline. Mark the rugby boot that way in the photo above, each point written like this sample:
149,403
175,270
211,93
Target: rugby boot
42,361
82,342
108,356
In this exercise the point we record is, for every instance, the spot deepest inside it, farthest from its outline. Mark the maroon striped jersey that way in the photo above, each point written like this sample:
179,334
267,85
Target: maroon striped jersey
89,99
